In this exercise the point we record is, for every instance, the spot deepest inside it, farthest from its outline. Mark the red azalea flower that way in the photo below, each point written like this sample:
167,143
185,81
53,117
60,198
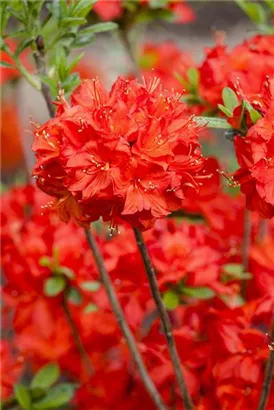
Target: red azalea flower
165,59
108,9
11,368
255,154
130,153
247,64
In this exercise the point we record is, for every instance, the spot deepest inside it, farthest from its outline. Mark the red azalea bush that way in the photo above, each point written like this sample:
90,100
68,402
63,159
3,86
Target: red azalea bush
137,272
218,338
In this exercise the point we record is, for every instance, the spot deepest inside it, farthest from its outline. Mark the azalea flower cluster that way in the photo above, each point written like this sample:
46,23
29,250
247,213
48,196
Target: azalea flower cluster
220,337
130,154
255,154
114,9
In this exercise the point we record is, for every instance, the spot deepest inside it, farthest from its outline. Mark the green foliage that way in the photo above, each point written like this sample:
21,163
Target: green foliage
74,296
54,286
59,31
23,396
235,271
55,397
91,307
171,299
201,292
260,13
46,376
91,286
230,99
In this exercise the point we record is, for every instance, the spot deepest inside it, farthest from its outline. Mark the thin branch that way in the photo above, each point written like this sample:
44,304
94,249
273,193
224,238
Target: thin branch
245,247
164,319
268,373
117,310
39,57
77,339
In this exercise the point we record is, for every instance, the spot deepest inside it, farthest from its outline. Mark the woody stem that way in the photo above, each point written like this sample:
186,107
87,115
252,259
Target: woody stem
188,405
121,320
39,57
77,339
268,375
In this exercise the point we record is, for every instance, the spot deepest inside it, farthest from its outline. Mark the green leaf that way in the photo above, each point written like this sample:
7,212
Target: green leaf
171,299
254,11
91,307
54,286
22,46
23,396
4,17
72,81
99,28
201,292
74,296
45,261
64,270
270,4
56,397
50,82
181,80
4,64
255,116
75,61
73,21
213,122
82,7
83,40
61,63
230,99
225,110
193,76
90,286
235,271
46,376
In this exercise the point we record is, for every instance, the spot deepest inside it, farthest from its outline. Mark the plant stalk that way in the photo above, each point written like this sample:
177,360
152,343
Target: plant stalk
188,405
118,312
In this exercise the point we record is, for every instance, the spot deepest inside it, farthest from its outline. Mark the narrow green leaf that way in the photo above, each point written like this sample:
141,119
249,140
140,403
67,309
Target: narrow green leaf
71,82
91,307
270,4
50,82
90,286
23,396
230,99
46,376
82,7
54,286
74,296
64,270
7,65
201,292
83,40
213,122
254,11
22,46
56,397
225,110
171,299
193,76
75,61
99,28
45,261
73,21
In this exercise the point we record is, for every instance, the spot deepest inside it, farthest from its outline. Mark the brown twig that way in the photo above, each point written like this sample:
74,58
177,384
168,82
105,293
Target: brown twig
268,373
77,339
39,57
164,320
117,310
